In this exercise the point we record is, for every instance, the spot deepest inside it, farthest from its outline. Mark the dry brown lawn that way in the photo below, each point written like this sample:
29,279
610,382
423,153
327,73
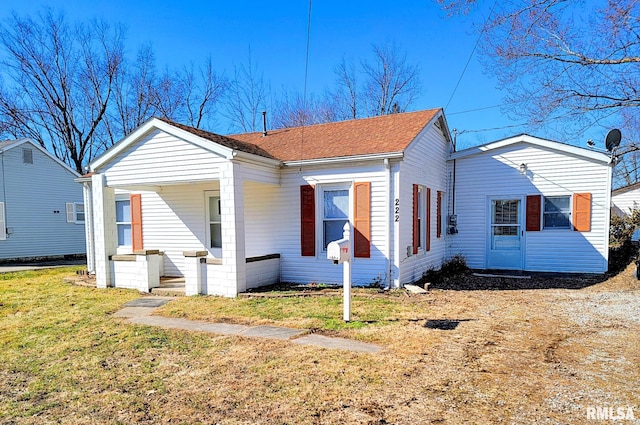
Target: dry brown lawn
450,357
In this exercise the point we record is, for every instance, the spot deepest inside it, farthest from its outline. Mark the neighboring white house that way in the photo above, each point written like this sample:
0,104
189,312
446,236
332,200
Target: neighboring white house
232,213
41,207
625,199
526,203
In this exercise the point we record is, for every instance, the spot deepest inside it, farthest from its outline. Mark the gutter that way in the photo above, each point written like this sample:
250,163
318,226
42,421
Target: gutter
343,159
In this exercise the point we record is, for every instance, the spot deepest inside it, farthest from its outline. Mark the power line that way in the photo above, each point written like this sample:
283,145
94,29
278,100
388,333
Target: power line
306,74
484,28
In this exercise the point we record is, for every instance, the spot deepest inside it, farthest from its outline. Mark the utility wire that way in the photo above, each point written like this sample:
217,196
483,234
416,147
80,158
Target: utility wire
484,29
306,74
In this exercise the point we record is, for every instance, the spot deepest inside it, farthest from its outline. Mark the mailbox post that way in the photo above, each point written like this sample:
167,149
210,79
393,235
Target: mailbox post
340,252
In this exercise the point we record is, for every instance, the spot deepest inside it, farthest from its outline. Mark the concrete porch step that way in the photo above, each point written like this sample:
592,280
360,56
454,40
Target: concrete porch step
170,286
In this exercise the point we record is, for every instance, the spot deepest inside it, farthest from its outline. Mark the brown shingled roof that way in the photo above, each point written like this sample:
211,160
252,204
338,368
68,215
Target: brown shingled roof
225,141
383,134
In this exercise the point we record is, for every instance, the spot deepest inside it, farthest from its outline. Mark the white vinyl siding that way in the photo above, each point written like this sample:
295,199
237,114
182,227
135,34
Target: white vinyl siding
424,164
624,202
549,173
162,158
286,218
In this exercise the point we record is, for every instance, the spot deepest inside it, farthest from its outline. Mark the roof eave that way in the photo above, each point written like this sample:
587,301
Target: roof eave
575,150
149,125
343,159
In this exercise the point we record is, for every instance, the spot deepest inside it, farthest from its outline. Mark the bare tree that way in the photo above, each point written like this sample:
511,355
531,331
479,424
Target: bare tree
58,80
292,110
346,96
201,92
384,85
246,98
133,96
391,84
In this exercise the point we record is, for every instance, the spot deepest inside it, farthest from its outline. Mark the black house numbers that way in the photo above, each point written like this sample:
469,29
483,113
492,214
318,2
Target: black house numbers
397,209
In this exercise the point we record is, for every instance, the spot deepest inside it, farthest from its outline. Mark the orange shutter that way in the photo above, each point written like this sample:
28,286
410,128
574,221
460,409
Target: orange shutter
428,226
582,212
439,214
362,220
307,221
534,207
136,222
415,219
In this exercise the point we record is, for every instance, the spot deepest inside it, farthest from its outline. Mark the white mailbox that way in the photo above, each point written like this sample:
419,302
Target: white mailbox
338,251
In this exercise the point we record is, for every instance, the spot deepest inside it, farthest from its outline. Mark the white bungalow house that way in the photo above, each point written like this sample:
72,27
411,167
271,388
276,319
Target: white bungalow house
41,207
229,213
525,203
625,199
232,213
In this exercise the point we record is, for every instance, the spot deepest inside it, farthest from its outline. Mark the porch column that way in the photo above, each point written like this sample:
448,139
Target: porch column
233,239
105,234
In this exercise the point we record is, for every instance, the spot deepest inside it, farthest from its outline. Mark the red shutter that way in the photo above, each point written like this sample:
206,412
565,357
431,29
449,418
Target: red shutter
136,222
307,221
582,212
428,226
534,208
362,220
439,214
416,236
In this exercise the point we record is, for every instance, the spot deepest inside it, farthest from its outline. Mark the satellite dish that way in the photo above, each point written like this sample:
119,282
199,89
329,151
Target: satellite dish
613,139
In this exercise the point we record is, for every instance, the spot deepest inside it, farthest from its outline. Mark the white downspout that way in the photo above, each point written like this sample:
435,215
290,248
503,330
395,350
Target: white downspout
389,218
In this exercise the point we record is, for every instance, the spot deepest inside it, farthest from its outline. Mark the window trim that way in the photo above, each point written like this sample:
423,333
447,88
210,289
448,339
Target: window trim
422,218
72,212
569,213
123,198
208,194
320,191
27,155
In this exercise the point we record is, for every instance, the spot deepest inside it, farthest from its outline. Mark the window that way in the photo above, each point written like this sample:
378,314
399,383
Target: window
421,219
557,212
335,213
215,222
27,156
75,212
123,221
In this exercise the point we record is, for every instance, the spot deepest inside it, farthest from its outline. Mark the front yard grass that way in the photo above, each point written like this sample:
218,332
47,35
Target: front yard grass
538,356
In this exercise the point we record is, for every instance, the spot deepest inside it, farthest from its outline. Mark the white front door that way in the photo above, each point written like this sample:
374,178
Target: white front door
505,247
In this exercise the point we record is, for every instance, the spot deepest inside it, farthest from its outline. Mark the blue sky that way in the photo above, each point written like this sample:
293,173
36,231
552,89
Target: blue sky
275,32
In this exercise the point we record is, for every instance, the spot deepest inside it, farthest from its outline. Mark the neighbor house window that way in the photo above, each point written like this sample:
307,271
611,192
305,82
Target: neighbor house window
123,221
335,214
75,212
215,222
27,156
557,212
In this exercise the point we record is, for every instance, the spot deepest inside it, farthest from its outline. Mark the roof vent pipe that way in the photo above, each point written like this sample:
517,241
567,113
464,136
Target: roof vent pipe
264,123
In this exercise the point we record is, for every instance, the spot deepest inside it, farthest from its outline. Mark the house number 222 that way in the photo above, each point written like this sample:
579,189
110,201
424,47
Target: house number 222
397,209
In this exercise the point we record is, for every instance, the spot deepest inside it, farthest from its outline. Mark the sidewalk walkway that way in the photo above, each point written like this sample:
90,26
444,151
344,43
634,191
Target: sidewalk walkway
139,312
